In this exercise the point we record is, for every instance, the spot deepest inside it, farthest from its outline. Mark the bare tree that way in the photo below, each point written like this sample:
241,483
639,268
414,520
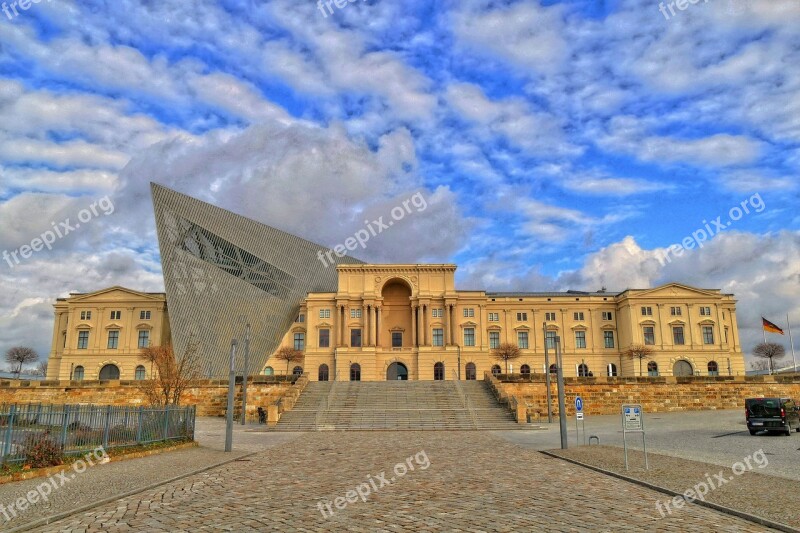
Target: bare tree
506,352
769,351
170,375
761,364
41,368
639,351
19,356
290,355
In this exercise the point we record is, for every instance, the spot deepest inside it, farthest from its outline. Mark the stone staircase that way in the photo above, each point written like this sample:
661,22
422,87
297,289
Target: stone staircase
397,405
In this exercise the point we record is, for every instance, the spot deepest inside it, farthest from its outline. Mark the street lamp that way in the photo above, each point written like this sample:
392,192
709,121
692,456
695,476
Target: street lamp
246,373
231,386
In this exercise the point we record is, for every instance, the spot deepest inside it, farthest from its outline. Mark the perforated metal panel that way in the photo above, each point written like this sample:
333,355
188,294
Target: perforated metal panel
222,271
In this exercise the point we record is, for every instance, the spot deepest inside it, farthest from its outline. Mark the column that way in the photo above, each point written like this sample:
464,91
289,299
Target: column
365,322
420,331
659,326
337,324
689,327
413,325
425,324
378,326
372,314
446,309
344,325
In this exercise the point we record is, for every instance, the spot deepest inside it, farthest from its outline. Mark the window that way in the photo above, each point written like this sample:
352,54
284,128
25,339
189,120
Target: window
469,312
580,339
675,311
113,339
494,339
116,315
300,341
269,371
324,338
355,313
494,317
140,373
300,318
550,340
708,335
469,336
713,368
612,370
608,315
705,311
550,317
677,335
522,339
525,370
496,370
437,313
522,317
144,315
578,316
297,371
608,339
583,371
77,374
324,313
652,369
109,372
83,340
144,338
649,335
647,311
355,338
438,337
726,335
438,372
86,315
397,339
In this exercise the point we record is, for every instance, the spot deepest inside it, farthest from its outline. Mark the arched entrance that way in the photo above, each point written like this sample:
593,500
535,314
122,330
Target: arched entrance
323,373
682,368
397,371
109,372
472,372
355,372
397,323
438,371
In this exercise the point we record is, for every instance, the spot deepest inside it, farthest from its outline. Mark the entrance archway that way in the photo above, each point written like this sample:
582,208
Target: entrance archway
323,373
109,372
438,371
682,368
471,371
397,371
355,372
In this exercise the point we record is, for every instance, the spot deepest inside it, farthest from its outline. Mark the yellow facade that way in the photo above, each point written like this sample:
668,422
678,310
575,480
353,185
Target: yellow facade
413,315
103,330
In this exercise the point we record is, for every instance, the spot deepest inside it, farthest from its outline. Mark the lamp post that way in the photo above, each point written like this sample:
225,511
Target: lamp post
231,386
458,347
245,373
562,411
547,376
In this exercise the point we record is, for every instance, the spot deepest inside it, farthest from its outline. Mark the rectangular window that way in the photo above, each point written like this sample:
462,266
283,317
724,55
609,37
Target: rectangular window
494,339
608,339
324,313
299,341
469,312
580,339
86,315
522,339
397,339
705,311
550,339
324,338
649,335
113,339
550,317
355,338
708,335
144,338
675,311
144,315
677,335
116,315
647,311
437,313
577,316
469,336
355,313
494,317
726,335
438,337
83,340
300,318
608,315
522,317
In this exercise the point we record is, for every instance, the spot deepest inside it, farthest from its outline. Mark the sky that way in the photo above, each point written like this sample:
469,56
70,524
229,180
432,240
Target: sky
554,145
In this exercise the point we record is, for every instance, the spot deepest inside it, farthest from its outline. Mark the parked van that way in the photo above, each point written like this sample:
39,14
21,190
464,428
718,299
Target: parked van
771,414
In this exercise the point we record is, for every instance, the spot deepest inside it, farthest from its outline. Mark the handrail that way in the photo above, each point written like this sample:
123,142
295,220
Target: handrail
465,401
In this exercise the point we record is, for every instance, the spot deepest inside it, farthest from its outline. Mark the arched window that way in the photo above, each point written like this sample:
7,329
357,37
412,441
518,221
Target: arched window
140,373
355,372
438,371
682,368
525,370
652,369
323,373
297,371
612,370
583,370
472,372
269,371
496,370
77,374
713,368
109,372
553,369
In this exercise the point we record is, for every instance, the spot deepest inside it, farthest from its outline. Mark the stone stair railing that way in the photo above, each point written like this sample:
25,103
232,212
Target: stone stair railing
286,402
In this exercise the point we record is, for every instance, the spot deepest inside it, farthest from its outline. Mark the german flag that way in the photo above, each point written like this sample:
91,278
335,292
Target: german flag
769,326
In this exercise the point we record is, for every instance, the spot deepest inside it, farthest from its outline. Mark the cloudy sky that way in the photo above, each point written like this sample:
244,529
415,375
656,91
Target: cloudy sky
557,144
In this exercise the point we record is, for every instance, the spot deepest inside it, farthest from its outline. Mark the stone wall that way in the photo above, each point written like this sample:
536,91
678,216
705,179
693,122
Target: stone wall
604,396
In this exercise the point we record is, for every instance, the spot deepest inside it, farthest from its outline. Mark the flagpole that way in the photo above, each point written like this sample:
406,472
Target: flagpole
791,343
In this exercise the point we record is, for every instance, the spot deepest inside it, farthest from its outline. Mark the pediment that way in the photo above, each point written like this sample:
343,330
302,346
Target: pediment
580,325
113,325
676,290
116,294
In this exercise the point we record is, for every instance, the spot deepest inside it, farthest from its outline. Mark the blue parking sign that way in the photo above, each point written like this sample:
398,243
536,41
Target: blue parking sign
578,403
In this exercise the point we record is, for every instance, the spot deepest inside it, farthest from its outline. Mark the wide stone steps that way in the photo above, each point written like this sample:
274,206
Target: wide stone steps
396,405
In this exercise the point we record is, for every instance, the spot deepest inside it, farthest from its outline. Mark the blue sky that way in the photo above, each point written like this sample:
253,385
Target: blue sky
559,145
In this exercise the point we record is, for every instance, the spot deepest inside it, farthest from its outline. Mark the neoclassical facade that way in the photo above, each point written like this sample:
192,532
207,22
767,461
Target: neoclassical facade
410,322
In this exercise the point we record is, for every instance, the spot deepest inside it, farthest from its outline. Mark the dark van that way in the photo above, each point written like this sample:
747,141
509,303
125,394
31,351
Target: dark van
771,414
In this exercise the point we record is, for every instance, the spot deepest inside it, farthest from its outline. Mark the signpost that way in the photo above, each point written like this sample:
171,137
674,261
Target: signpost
633,422
579,416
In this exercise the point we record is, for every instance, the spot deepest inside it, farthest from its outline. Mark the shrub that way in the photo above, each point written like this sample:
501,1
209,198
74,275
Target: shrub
41,451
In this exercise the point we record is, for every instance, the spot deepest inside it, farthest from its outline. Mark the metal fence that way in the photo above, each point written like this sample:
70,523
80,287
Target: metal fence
77,429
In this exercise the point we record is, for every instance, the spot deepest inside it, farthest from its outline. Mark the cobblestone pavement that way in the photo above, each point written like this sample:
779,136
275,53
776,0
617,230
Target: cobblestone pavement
474,481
